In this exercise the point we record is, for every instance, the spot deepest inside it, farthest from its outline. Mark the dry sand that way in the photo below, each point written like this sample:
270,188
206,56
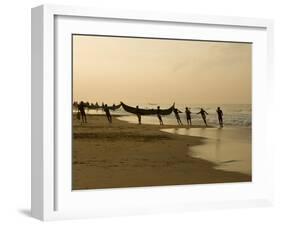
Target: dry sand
129,155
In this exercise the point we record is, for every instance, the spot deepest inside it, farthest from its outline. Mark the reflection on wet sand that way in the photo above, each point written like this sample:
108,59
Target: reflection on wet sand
229,148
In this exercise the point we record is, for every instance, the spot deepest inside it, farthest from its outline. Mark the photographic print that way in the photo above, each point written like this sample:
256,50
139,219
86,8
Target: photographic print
155,112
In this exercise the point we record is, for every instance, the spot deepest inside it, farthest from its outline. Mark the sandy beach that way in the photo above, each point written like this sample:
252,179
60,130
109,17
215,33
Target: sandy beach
123,154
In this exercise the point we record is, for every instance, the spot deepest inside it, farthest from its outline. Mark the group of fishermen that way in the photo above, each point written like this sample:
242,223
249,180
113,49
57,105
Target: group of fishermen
81,111
202,112
188,113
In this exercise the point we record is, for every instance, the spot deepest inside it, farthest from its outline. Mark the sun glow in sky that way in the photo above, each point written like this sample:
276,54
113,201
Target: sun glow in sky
137,70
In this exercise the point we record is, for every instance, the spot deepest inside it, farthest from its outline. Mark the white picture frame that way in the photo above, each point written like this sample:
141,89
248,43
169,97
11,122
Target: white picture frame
47,152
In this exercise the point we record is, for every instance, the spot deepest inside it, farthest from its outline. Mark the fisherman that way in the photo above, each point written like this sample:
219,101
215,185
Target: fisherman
96,106
81,109
87,105
176,111
75,104
188,116
220,114
159,116
107,112
138,114
75,107
203,115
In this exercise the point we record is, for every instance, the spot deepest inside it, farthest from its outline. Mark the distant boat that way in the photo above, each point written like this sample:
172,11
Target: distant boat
133,110
114,107
96,107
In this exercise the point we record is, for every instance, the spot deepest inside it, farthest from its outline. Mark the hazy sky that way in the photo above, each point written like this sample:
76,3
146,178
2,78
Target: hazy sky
136,71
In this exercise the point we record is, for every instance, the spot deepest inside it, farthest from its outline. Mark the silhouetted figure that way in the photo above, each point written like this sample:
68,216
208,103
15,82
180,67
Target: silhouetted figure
203,115
220,114
75,105
138,114
188,116
159,116
176,111
107,112
81,109
97,106
87,105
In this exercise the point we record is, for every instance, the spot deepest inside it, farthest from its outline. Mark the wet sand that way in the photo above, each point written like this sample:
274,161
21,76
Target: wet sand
123,154
230,148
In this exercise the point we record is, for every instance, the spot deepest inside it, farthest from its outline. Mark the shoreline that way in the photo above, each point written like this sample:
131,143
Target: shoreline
124,154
